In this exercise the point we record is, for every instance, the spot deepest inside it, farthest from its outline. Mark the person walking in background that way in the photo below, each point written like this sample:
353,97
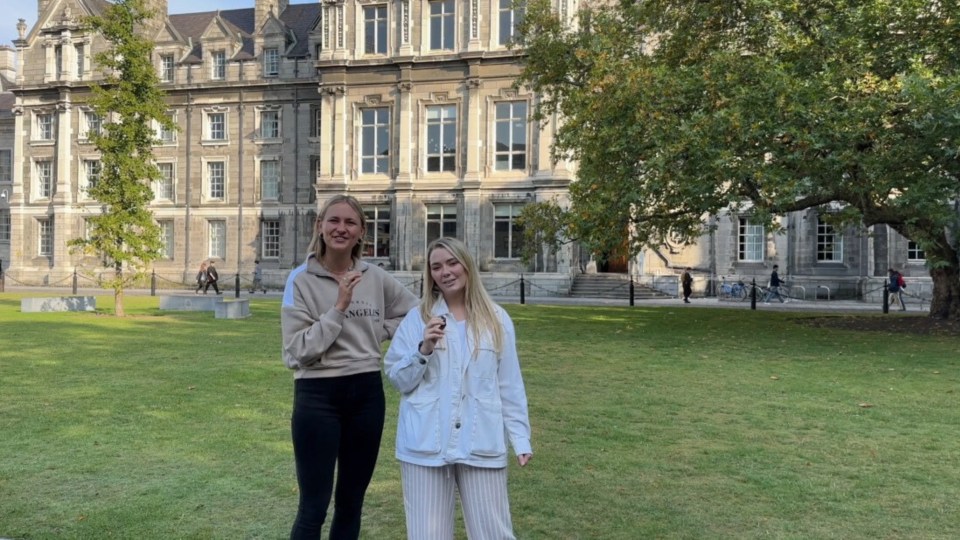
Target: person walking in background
336,312
686,281
212,278
201,278
257,278
462,398
895,286
775,283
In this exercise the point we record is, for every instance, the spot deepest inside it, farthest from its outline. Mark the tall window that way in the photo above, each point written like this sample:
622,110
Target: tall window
216,181
270,238
45,237
6,165
269,124
377,242
217,126
92,125
91,170
166,238
915,253
166,135
829,243
509,19
511,143
270,179
163,188
45,126
507,234
4,225
749,241
58,61
441,221
45,183
375,29
441,138
81,61
375,140
166,68
217,237
315,121
218,65
271,62
441,24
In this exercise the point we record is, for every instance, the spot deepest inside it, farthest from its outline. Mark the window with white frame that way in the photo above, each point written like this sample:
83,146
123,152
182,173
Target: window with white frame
167,68
375,29
4,225
829,243
377,242
374,140
166,238
45,237
915,253
509,18
270,179
90,124
216,126
510,147
750,240
217,238
91,175
167,135
441,221
442,24
6,165
441,138
216,180
270,238
315,121
270,124
218,65
163,186
44,126
271,62
44,179
79,49
507,234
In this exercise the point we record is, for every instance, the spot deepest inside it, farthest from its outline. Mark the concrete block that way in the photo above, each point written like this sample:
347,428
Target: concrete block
58,303
233,309
190,303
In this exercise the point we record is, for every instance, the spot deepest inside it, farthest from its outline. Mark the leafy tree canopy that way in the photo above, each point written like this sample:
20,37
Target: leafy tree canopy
676,109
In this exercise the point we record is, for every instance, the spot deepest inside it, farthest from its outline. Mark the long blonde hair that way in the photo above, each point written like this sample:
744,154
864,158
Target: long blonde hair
318,246
481,310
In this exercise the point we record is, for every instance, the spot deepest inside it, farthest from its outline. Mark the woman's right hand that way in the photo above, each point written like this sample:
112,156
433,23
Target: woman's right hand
432,334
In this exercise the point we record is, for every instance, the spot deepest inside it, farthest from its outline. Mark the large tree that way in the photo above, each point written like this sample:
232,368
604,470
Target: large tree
130,102
677,109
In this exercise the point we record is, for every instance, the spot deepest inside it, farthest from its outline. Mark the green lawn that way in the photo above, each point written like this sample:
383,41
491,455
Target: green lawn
648,423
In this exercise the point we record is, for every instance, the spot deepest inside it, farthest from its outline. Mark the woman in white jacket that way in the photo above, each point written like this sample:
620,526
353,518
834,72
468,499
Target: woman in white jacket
454,361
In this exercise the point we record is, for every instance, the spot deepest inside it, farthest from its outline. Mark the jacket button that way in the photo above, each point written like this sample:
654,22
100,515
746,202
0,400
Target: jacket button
458,425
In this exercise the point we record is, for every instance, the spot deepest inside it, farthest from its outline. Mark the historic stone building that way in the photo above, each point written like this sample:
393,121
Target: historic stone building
408,105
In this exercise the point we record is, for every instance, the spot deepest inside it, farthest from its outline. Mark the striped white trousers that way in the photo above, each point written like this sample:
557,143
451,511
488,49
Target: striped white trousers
429,499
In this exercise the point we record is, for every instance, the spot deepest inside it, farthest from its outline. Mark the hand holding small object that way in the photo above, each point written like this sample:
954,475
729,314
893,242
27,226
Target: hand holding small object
432,334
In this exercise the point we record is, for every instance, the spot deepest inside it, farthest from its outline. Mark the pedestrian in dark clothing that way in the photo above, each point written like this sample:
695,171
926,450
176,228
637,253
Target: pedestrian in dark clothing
686,280
895,285
201,277
212,278
775,283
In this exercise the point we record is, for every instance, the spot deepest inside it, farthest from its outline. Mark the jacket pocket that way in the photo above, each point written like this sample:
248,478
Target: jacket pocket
419,426
488,438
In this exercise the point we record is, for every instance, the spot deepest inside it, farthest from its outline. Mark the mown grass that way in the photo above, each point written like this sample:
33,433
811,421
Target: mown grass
648,423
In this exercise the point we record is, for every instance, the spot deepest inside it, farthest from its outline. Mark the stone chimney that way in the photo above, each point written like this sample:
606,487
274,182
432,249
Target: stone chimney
263,8
8,63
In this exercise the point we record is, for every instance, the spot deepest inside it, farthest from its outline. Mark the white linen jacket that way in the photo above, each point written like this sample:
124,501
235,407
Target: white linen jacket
455,408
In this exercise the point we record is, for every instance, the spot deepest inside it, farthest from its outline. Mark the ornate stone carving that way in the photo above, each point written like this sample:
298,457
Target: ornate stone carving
472,83
405,20
474,19
333,90
404,86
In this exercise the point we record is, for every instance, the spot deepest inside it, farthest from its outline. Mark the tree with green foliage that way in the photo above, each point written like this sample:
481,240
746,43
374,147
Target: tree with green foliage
676,110
130,101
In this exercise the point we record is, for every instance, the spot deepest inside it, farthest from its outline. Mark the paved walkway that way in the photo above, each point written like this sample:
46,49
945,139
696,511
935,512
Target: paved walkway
833,306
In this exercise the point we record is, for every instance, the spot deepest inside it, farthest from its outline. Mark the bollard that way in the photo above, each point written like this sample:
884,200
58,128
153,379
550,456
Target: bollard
631,291
886,299
1,275
153,283
753,294
522,297
236,292
74,281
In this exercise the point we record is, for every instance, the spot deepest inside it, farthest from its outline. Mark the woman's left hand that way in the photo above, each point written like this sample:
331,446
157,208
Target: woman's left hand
523,459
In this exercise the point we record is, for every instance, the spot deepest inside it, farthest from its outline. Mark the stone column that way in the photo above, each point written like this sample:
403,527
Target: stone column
62,193
405,146
473,120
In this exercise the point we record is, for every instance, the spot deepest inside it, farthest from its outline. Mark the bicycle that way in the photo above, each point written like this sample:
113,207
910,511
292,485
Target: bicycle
736,290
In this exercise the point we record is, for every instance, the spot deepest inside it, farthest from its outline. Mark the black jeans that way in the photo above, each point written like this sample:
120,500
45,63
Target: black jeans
209,283
337,423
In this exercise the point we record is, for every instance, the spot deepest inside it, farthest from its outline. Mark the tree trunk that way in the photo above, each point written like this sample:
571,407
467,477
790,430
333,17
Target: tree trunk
946,292
118,293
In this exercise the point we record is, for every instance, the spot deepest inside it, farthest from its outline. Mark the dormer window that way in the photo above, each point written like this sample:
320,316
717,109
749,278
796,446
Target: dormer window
271,62
218,65
166,68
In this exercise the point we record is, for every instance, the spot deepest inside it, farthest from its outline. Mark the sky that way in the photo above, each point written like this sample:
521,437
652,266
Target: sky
27,10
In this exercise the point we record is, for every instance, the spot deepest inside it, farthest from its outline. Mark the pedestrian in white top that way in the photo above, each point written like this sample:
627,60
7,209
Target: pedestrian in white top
454,361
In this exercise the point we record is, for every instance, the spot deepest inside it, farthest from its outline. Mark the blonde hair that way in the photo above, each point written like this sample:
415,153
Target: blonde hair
481,310
318,246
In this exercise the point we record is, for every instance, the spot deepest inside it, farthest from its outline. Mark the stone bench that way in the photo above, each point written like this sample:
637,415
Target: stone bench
233,309
58,303
189,303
